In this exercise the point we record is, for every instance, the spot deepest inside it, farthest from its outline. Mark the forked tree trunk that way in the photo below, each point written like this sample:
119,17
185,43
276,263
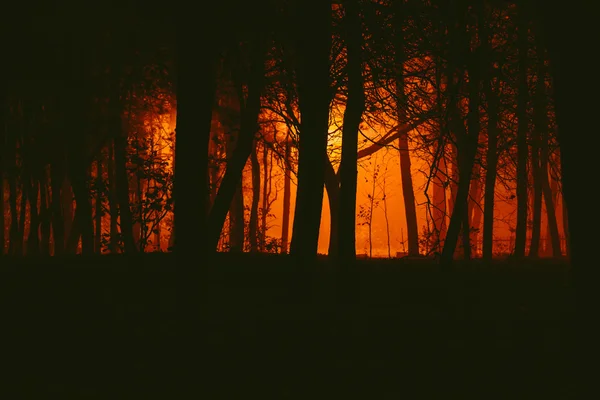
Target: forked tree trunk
243,149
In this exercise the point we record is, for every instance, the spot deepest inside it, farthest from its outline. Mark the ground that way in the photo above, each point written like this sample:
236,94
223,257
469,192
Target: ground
116,327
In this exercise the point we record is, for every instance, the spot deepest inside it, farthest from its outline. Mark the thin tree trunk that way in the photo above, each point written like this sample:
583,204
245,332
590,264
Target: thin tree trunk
555,199
33,240
536,229
253,223
122,189
22,213
113,243
408,193
550,210
491,172
439,202
475,209
14,220
355,105
265,199
68,209
98,223
44,217
58,222
83,208
287,185
522,149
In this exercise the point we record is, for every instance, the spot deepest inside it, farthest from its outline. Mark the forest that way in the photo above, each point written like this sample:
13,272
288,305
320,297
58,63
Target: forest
450,113
297,199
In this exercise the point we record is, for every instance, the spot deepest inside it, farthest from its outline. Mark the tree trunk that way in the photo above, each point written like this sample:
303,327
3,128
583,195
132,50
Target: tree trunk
113,243
236,209
14,220
287,185
21,230
98,222
355,105
439,202
243,149
196,88
408,193
265,199
83,208
332,186
522,128
44,217
33,240
122,188
253,223
475,209
67,201
58,222
466,142
536,229
312,47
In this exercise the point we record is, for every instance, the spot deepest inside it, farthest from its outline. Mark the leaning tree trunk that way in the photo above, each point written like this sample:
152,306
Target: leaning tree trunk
466,144
244,147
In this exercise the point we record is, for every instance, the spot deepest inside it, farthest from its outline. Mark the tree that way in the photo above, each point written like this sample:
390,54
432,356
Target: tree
355,104
312,47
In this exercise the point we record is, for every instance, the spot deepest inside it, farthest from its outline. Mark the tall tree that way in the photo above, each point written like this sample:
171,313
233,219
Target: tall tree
522,129
355,105
410,209
196,85
312,30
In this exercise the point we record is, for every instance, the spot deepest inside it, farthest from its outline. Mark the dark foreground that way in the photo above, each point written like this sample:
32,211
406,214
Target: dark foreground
115,328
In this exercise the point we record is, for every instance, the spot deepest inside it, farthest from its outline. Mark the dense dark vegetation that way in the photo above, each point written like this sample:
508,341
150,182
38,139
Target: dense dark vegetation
81,174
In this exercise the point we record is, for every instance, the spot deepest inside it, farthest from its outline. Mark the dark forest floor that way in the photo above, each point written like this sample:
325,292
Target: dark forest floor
110,327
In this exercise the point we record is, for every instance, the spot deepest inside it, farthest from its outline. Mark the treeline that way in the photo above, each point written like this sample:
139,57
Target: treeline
288,94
